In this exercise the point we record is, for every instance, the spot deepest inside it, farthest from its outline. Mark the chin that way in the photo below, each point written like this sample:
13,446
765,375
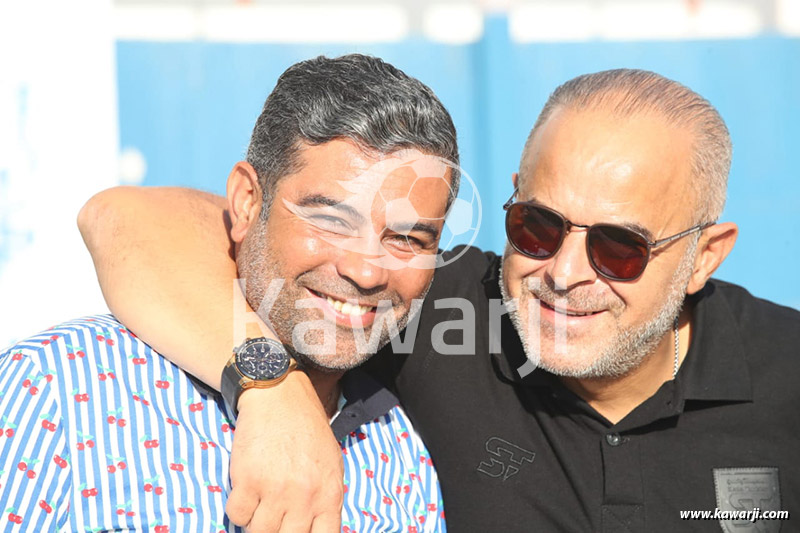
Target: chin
598,368
330,364
566,368
328,367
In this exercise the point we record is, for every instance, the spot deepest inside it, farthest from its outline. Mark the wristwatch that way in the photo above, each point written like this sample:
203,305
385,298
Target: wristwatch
257,364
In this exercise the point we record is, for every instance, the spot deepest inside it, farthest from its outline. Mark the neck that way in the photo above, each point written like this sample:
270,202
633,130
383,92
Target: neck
328,389
616,397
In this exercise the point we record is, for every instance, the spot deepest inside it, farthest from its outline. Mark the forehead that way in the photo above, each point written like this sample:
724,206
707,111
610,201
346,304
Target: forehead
597,166
344,171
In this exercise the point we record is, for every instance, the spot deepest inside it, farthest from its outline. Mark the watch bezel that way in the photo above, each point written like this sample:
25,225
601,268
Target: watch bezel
273,348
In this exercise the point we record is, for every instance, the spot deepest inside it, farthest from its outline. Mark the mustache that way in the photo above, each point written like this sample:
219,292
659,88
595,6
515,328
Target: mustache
581,298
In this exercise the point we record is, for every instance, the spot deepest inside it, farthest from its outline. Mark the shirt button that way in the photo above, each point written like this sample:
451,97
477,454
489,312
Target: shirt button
613,439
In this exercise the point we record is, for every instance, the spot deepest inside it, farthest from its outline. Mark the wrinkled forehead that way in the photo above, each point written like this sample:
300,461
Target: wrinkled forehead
397,174
595,165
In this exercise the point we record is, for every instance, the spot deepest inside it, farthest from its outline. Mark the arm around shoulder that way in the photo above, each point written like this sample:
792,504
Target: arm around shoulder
152,248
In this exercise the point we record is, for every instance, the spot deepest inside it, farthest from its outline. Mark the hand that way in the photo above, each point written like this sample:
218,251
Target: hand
286,466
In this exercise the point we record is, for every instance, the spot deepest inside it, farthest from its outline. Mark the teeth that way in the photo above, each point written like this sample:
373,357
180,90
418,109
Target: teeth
575,313
572,313
347,308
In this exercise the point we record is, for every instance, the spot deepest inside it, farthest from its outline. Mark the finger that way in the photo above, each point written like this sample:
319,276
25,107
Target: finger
327,523
265,520
296,522
241,506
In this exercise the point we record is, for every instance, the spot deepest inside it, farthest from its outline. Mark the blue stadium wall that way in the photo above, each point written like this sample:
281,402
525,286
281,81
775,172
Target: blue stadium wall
189,108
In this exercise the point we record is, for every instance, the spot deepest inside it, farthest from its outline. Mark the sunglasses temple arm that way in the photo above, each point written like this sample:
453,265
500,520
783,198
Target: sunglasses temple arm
510,200
699,227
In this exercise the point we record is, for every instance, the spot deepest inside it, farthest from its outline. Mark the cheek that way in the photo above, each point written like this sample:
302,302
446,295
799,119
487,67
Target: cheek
410,283
308,245
303,249
638,301
516,269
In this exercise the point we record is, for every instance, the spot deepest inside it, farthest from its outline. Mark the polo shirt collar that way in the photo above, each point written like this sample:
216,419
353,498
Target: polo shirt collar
366,399
715,368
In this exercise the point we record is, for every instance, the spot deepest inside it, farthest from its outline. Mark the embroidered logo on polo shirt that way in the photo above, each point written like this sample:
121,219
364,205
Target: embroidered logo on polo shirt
505,458
748,489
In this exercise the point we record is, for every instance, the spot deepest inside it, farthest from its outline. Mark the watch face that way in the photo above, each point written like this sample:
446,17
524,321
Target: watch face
262,360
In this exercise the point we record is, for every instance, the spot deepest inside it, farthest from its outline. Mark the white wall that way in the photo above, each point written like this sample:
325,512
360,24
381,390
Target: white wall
58,144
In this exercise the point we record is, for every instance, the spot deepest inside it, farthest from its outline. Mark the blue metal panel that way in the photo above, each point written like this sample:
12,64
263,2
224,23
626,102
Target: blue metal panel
190,107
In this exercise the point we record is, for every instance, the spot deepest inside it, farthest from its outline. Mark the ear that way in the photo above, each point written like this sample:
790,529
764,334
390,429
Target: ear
712,249
244,199
515,179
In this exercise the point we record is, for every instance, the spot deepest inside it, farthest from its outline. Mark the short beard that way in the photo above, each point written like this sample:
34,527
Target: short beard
631,346
258,265
324,364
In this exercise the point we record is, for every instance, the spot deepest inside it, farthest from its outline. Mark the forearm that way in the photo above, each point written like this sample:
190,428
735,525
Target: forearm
165,265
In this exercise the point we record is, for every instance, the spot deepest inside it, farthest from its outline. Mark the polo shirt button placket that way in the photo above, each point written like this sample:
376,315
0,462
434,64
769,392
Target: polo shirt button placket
623,493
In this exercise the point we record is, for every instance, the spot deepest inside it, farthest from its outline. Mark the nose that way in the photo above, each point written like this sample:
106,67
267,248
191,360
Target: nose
570,266
365,270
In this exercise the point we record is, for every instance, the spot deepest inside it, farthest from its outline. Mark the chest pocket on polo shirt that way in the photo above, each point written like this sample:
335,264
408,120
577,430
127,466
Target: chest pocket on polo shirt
743,490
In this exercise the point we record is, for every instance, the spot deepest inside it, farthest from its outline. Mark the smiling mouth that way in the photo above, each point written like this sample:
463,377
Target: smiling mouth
344,307
569,312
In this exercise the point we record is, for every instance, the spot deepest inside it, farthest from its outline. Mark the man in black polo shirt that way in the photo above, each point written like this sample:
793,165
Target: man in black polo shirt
656,390
624,390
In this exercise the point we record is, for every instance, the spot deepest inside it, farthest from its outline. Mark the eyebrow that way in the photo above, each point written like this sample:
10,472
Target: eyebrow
635,226
646,233
318,200
405,228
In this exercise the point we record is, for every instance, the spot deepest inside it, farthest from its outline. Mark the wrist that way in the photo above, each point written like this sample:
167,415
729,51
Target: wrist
294,387
259,363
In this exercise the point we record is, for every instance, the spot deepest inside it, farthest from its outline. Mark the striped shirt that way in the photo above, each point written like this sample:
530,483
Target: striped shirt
101,433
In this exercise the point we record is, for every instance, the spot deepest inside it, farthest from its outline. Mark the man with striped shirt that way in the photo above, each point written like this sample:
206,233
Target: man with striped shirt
100,432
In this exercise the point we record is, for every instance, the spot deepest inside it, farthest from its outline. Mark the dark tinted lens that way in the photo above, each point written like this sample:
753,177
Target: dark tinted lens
534,231
617,252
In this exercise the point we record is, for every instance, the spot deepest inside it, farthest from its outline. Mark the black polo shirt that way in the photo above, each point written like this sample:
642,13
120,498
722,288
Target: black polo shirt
525,454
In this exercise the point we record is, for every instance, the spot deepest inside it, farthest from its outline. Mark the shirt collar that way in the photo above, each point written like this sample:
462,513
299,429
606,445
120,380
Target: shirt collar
366,400
715,368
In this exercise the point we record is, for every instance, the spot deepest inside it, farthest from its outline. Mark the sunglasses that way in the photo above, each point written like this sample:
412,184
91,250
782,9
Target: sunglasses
615,252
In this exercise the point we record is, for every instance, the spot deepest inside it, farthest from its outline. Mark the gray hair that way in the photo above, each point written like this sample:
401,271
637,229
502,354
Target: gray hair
627,92
355,97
